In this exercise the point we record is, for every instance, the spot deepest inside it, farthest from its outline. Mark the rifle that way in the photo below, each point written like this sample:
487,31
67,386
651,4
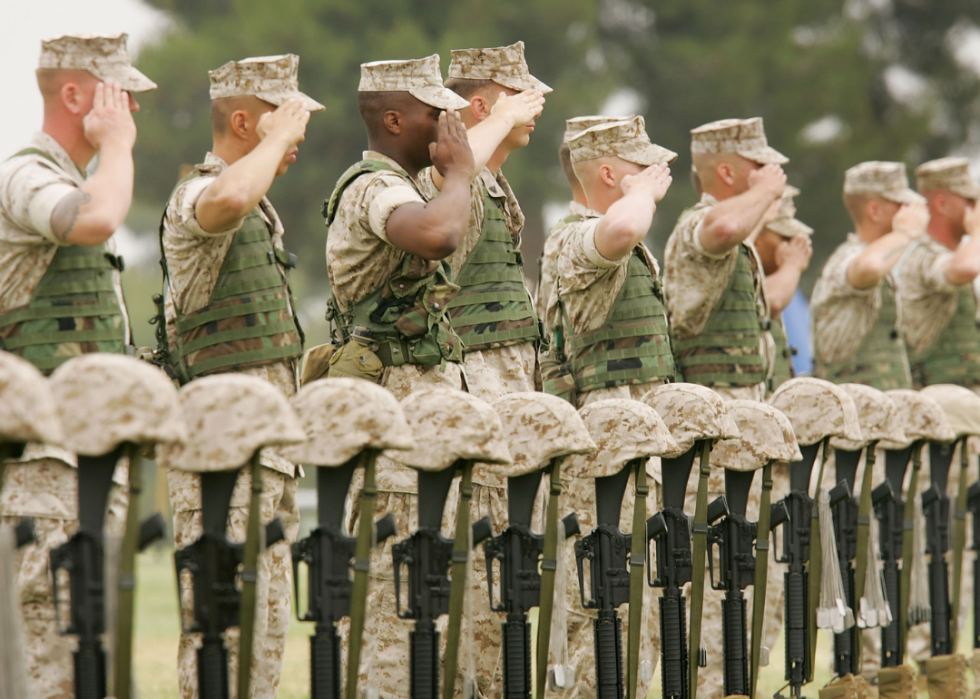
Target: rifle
973,506
935,505
212,562
845,507
327,553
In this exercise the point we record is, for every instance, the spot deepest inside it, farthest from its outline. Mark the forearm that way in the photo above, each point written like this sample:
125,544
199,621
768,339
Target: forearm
964,266
92,214
781,285
440,224
624,225
240,187
484,138
878,259
730,222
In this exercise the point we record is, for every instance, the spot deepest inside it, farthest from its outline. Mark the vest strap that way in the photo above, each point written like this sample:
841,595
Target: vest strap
65,336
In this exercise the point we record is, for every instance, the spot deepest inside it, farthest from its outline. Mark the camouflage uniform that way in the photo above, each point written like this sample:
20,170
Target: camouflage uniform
195,258
43,483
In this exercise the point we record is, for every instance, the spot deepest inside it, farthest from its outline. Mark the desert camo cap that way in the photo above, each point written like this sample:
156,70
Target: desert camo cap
744,137
691,413
273,79
229,417
623,430
342,417
105,57
577,125
504,65
817,409
951,174
922,419
451,425
107,399
421,78
877,414
786,224
538,428
765,435
880,179
621,139
27,408
961,405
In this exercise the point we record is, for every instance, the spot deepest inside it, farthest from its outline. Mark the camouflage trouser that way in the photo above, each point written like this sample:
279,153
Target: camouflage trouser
47,490
273,590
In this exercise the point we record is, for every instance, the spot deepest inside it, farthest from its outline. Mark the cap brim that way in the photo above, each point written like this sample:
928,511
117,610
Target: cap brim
438,97
903,196
278,98
764,156
532,83
650,154
789,227
130,79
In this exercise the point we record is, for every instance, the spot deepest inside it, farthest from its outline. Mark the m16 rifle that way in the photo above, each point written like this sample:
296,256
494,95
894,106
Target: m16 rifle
845,509
973,507
935,506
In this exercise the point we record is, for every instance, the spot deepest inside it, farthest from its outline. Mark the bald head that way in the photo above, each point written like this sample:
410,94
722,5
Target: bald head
723,175
52,84
602,179
223,110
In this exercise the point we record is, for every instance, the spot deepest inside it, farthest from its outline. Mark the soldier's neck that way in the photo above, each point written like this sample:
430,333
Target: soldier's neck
228,150
942,230
70,135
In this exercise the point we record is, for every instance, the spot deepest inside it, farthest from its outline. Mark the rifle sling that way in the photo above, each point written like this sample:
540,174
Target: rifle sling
250,560
457,589
546,606
863,536
761,577
907,549
126,581
637,561
815,567
959,542
362,556
700,529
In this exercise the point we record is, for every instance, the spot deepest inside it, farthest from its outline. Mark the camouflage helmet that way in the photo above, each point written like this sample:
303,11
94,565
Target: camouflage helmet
961,405
624,430
817,409
765,435
107,399
450,425
538,428
691,413
877,415
344,416
229,417
922,418
27,409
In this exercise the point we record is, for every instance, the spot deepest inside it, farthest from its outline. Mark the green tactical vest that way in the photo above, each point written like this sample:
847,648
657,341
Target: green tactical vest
73,311
783,366
247,320
728,351
955,355
880,360
404,320
493,307
632,346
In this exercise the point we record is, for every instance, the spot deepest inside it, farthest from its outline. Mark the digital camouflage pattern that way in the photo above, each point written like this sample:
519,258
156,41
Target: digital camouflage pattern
229,417
786,223
765,435
692,413
344,416
27,409
627,140
880,179
504,65
421,78
549,257
745,137
538,428
961,406
577,125
922,419
877,414
949,174
817,409
105,57
274,79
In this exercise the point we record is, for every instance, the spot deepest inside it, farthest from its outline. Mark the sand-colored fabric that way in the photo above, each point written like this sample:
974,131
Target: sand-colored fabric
786,223
961,405
877,415
274,79
765,435
27,409
692,413
577,125
817,409
421,78
105,57
880,179
846,687
627,140
342,417
897,683
922,419
745,137
949,174
946,677
504,65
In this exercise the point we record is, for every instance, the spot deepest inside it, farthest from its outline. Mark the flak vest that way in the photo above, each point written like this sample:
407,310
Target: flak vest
782,370
880,360
248,320
493,307
728,351
405,319
954,357
74,310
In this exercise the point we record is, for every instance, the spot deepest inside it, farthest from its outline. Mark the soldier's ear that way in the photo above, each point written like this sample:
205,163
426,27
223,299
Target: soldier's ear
480,107
72,97
607,176
726,173
239,123
392,121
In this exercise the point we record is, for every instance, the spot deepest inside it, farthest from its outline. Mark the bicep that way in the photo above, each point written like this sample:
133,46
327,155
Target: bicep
406,228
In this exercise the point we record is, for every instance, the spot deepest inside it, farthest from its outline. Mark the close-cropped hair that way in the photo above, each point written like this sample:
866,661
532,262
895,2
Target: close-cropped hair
466,87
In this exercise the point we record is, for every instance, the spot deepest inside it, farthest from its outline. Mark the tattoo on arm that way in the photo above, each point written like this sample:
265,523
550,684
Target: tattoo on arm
66,213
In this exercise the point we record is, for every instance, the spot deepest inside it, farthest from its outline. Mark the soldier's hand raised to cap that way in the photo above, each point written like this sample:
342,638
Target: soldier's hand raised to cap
911,218
655,180
110,121
520,109
451,153
770,177
287,122
971,219
796,251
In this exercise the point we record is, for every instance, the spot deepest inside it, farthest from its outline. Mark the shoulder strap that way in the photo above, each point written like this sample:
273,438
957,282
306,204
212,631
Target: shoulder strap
699,530
637,561
905,587
761,577
959,540
34,151
549,566
457,588
863,537
329,208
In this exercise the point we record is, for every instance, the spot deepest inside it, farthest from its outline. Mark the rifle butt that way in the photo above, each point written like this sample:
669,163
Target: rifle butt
325,663
608,655
517,659
673,634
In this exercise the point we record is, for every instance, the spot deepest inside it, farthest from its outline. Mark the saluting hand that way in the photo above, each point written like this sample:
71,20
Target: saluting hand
971,219
796,252
110,121
654,180
451,153
287,122
770,177
911,218
521,109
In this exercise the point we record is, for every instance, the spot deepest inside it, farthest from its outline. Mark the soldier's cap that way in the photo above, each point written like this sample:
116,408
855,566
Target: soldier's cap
961,405
229,417
343,417
620,139
817,409
922,419
504,65
538,428
765,435
786,224
951,174
692,413
107,399
577,125
623,430
105,57
877,414
421,78
449,426
880,179
27,408
744,137
273,79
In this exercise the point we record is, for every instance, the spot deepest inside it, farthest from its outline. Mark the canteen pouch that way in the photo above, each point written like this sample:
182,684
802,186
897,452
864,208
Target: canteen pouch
316,362
355,360
896,683
557,377
946,677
